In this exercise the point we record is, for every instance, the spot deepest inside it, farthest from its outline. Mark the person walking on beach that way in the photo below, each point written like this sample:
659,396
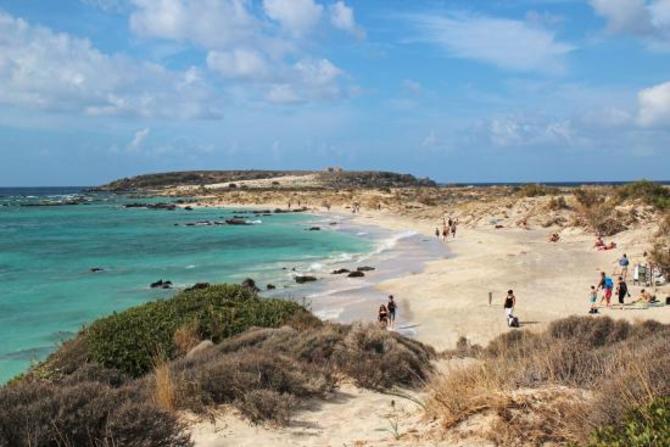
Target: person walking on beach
622,289
623,264
453,229
510,302
382,317
606,284
437,232
391,306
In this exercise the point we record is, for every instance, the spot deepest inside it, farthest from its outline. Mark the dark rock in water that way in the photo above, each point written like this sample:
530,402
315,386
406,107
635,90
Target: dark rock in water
266,214
315,229
97,269
197,286
333,223
365,269
304,279
160,284
271,287
356,274
250,284
188,208
340,271
239,217
237,222
152,206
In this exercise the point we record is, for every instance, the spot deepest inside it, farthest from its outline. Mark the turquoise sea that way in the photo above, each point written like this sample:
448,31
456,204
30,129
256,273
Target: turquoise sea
47,253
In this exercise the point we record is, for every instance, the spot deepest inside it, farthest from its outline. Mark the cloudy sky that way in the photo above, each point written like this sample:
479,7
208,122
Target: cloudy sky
491,90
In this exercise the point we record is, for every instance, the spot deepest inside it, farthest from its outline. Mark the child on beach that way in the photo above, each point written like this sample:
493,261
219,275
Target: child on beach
382,317
593,297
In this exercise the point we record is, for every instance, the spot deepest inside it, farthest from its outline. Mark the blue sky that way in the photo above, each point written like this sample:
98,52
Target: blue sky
495,90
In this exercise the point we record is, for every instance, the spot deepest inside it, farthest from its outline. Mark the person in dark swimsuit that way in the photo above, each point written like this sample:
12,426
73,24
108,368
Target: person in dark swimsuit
391,306
510,302
622,290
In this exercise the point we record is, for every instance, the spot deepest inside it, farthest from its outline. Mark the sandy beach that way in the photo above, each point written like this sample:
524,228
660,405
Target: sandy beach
448,299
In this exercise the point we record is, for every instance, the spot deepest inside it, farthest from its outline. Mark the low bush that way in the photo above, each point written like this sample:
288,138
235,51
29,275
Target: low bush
130,340
646,426
86,414
651,193
535,190
558,386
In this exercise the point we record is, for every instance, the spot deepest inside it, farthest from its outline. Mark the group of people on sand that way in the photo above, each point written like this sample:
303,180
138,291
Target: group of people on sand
601,245
620,289
449,225
387,313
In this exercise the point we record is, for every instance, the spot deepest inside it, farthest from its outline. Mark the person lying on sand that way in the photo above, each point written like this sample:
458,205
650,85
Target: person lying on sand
554,237
610,246
599,242
644,298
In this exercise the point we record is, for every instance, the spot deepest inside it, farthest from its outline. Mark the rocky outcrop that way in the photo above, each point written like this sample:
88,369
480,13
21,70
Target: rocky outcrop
356,274
250,284
341,271
237,222
365,269
152,206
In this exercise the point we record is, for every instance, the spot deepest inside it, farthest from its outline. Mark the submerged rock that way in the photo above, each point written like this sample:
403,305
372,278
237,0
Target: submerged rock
356,274
237,222
315,229
97,269
340,271
365,269
271,287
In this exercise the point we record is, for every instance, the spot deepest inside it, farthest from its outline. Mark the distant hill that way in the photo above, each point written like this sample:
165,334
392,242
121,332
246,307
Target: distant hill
319,179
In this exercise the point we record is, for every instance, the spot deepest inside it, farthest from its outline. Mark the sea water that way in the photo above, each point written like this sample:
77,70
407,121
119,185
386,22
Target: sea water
47,252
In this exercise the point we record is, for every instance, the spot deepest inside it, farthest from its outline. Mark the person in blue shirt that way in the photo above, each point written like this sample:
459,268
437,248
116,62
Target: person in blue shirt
623,264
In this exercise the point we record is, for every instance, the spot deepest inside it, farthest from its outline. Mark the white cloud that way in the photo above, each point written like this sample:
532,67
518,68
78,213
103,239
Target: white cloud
138,139
654,106
342,17
238,63
42,69
306,80
525,131
649,20
214,24
509,44
296,16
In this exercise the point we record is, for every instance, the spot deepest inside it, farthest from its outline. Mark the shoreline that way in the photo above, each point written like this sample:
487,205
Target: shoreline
448,298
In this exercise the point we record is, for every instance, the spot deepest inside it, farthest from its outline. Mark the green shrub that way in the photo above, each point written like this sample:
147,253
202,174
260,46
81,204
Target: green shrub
647,426
535,190
130,340
651,193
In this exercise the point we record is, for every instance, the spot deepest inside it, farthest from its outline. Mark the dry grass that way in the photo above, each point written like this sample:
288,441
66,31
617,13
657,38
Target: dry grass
187,337
581,374
164,393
